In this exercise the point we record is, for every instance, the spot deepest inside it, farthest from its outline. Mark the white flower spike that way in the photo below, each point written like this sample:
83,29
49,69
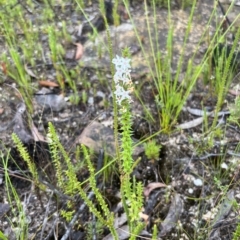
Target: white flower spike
122,79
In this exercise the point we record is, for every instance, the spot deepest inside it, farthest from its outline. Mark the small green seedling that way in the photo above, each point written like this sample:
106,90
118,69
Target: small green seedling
152,150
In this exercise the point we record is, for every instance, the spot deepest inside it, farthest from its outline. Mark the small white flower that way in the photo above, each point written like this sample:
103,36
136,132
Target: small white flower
121,76
116,60
125,95
117,76
119,90
121,64
126,63
121,94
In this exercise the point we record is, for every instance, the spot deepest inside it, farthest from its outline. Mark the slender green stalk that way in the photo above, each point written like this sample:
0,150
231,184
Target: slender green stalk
110,48
21,231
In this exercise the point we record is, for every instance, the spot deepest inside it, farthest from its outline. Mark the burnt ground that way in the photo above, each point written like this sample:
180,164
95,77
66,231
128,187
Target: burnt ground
199,195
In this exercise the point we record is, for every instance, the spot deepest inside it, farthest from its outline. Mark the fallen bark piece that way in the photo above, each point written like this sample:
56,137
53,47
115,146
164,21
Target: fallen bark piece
173,215
4,208
198,121
19,127
97,137
119,221
222,214
191,124
198,112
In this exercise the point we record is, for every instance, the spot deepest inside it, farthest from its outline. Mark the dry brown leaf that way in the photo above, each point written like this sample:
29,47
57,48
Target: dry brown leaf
122,12
79,51
144,216
234,92
37,136
4,68
45,83
151,186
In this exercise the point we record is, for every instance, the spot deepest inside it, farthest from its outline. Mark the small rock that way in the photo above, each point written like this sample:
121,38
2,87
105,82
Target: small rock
224,166
198,182
52,101
190,191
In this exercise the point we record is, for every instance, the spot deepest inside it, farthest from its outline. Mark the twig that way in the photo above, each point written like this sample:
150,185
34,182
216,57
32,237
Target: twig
224,14
46,216
94,226
74,219
209,155
54,190
226,18
52,229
